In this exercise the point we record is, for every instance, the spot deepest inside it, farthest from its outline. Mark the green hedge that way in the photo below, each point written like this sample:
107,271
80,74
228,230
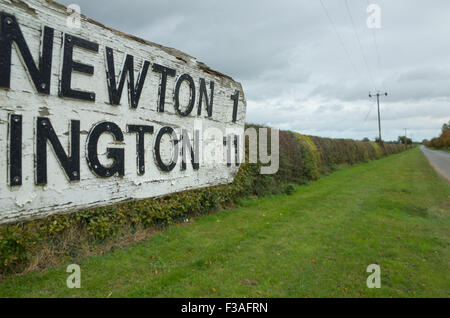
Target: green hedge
302,159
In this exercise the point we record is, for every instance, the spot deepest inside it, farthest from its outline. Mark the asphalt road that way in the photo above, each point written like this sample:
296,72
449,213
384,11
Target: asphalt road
439,160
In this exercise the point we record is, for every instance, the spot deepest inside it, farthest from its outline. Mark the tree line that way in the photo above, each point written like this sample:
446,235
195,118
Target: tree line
441,142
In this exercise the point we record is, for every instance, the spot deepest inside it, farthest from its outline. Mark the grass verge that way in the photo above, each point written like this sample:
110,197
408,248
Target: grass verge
315,243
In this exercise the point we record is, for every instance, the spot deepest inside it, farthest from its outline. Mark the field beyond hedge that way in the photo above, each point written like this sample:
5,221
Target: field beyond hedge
316,242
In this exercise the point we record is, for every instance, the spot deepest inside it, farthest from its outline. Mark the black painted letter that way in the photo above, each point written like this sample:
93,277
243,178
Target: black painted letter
134,92
165,71
235,98
159,162
9,32
187,146
15,150
140,131
70,65
117,154
203,92
190,106
71,165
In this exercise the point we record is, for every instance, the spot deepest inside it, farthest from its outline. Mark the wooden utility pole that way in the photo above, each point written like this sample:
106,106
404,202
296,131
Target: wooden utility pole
378,105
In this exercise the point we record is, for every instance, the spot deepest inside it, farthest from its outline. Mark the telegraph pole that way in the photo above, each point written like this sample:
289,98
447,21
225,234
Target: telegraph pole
406,138
378,105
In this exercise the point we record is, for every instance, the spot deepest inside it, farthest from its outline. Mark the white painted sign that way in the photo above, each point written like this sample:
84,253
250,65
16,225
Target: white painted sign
90,116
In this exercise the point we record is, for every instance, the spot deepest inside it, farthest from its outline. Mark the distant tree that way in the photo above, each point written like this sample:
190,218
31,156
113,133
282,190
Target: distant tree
425,141
436,143
443,141
365,139
445,137
404,140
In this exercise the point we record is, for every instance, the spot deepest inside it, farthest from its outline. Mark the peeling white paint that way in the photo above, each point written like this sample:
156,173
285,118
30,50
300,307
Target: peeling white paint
22,200
59,195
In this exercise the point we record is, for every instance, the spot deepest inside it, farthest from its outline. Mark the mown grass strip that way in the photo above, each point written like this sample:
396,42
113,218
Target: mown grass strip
314,243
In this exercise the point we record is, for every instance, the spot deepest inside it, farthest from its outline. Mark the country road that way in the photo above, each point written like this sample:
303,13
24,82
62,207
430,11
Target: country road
439,160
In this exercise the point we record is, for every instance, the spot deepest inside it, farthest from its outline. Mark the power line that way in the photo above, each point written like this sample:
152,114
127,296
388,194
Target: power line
347,52
365,60
377,51
368,113
359,43
376,48
340,40
378,57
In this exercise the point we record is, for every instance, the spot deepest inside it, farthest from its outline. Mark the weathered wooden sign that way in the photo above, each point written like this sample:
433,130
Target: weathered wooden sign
90,116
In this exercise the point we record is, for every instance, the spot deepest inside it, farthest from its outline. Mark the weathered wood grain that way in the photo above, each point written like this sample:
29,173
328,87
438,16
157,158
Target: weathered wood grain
59,195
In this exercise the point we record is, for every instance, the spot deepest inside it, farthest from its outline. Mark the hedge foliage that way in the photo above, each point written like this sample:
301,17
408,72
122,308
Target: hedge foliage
302,159
443,141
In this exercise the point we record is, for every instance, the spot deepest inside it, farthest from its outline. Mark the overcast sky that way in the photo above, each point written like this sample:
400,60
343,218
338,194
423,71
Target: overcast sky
300,73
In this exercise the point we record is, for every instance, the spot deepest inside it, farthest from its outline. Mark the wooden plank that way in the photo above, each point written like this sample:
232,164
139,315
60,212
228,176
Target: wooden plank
39,111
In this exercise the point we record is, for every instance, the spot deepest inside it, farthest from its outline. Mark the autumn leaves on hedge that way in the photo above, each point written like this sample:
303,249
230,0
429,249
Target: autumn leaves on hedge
443,141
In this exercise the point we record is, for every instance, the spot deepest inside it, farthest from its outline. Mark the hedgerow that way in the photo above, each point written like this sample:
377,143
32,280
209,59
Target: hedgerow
302,159
443,141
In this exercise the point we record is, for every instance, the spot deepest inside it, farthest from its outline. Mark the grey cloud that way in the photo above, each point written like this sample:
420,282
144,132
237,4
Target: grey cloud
288,57
424,74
